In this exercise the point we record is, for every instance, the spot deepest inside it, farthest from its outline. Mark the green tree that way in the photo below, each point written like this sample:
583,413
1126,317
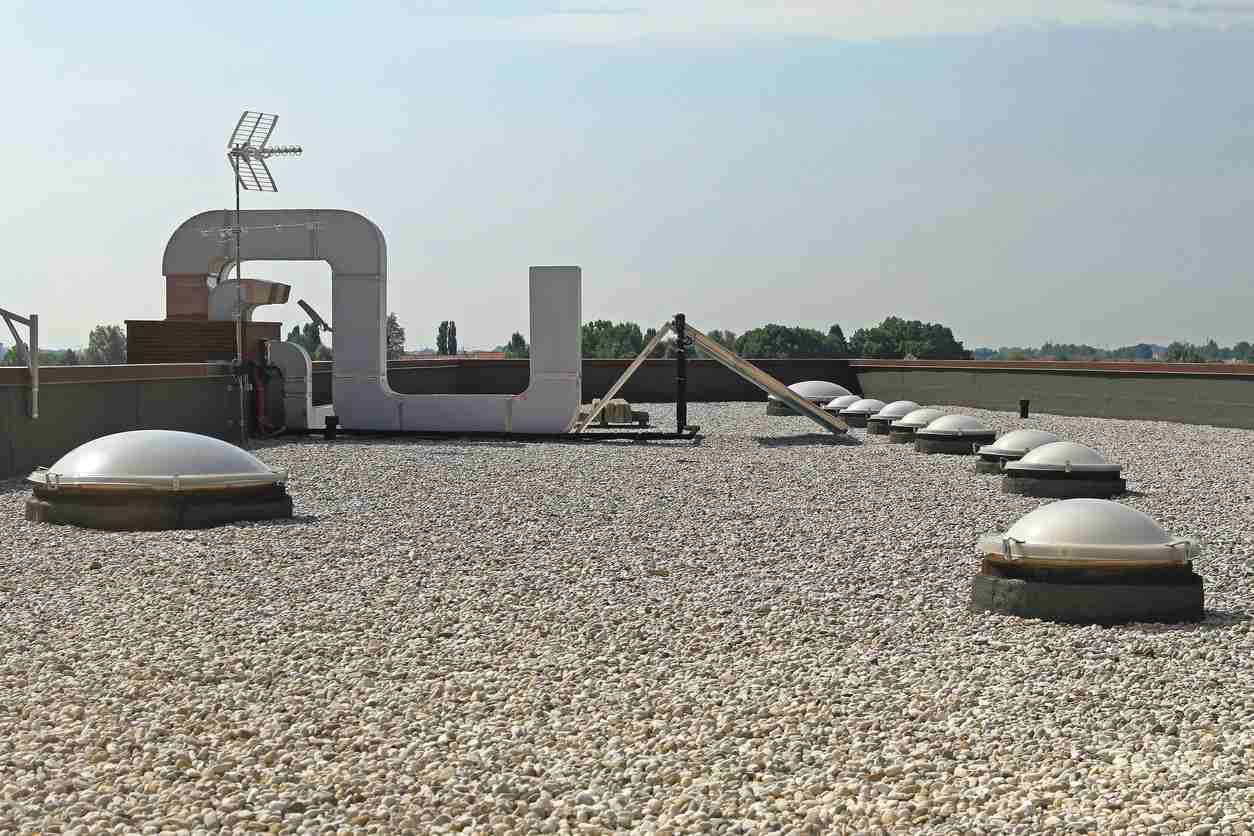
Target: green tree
308,337
895,337
517,347
1242,351
836,338
1183,352
69,357
603,339
452,337
396,337
771,341
441,338
106,346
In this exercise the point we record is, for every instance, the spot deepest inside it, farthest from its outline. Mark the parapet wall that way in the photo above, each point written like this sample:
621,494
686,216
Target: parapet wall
654,381
79,403
1220,395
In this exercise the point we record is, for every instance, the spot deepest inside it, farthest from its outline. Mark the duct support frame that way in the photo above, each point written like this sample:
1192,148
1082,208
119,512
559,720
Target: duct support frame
685,336
683,430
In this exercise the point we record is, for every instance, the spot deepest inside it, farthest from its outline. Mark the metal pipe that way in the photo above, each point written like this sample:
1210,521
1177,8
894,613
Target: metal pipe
34,365
239,321
681,375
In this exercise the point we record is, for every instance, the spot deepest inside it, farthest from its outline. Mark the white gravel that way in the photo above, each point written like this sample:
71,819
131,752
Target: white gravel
766,631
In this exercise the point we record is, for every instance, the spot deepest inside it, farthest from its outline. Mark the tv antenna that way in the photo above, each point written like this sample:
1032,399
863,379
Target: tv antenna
247,153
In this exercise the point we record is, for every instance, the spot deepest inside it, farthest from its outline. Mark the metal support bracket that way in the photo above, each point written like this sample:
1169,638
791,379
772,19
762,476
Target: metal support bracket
31,351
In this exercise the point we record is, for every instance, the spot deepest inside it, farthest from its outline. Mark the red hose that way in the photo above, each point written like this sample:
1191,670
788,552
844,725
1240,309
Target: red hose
259,400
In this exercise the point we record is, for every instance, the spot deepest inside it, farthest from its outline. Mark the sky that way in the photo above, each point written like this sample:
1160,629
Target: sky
1019,171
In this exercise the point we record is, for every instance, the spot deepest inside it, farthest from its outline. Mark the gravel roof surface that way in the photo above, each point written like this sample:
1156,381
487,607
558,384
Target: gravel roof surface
766,630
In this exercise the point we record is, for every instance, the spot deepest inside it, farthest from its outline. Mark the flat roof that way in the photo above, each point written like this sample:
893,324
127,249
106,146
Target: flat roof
767,627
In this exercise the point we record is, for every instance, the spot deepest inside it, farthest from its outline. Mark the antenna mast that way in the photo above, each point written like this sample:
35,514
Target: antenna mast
247,153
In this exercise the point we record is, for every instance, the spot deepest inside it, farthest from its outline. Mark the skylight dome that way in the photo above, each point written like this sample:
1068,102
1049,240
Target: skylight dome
153,479
878,423
837,404
959,435
1011,447
1088,561
856,413
903,429
817,392
1063,470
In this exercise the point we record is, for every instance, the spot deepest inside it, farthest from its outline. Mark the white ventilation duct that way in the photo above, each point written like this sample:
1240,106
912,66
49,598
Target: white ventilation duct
817,392
958,435
357,252
1063,470
1088,561
1010,447
157,479
878,423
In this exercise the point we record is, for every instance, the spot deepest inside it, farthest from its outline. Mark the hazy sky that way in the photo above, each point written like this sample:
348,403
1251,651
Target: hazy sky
1020,171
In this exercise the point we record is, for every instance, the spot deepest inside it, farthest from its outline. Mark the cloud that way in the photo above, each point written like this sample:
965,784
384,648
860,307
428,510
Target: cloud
716,22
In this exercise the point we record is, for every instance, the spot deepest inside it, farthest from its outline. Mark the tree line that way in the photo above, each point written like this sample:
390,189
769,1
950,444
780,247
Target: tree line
894,338
106,346
1176,352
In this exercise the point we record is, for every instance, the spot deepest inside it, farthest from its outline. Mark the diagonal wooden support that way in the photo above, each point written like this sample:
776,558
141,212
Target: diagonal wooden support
623,378
765,382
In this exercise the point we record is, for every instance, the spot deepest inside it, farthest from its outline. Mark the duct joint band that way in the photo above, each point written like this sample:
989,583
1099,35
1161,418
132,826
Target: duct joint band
555,376
364,378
